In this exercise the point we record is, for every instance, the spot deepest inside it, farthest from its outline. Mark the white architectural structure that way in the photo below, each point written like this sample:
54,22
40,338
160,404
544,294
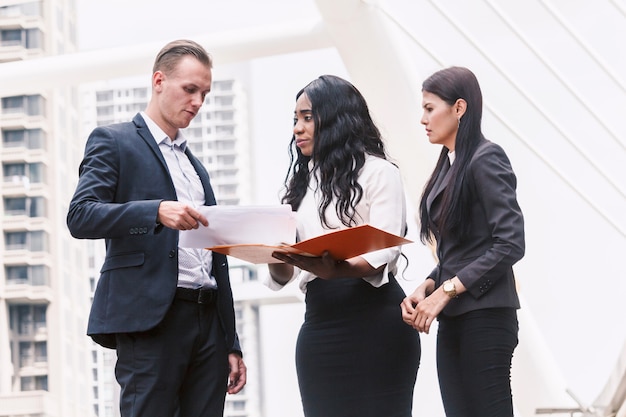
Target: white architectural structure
553,81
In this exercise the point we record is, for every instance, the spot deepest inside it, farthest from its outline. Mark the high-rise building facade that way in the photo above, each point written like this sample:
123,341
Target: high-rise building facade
44,295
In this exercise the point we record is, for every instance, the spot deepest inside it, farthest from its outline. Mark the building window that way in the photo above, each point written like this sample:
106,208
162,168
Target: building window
140,93
27,274
31,173
26,354
225,145
33,352
27,38
24,206
225,116
225,85
41,352
36,241
238,405
225,130
226,160
29,105
194,132
225,101
104,111
34,383
28,319
39,316
34,39
196,147
104,96
11,37
26,138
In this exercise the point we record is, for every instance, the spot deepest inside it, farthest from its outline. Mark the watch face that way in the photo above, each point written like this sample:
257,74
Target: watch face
448,286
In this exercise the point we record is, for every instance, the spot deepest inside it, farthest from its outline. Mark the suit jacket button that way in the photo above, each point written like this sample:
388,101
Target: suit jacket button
172,254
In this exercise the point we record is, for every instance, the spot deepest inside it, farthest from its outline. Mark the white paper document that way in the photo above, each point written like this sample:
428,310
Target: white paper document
234,225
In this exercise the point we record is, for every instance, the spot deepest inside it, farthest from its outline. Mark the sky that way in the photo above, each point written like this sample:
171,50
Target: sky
113,23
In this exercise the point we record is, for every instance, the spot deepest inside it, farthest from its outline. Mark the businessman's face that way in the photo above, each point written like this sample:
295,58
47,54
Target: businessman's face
180,94
304,125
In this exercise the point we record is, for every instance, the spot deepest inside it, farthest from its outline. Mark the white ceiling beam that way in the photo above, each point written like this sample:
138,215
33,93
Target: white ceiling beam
37,74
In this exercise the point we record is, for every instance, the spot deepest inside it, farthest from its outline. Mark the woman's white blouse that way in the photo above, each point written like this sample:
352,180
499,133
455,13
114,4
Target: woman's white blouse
382,206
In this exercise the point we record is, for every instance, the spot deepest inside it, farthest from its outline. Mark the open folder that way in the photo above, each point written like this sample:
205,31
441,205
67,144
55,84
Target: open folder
342,244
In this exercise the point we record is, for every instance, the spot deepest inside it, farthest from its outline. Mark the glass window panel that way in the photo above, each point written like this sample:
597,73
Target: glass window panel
16,272
14,206
13,104
11,37
39,316
24,319
38,241
34,39
26,354
12,170
15,240
41,352
35,105
35,139
38,275
13,138
35,173
37,207
41,382
27,383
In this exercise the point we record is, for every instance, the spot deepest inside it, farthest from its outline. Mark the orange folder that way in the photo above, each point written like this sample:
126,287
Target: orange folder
341,244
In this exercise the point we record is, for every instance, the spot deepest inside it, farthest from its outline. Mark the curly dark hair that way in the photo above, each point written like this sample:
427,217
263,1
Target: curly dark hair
344,134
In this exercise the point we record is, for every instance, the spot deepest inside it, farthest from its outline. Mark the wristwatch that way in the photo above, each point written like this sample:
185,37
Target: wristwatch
449,288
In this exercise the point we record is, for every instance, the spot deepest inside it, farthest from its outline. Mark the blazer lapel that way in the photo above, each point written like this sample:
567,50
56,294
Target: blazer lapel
440,184
209,197
144,133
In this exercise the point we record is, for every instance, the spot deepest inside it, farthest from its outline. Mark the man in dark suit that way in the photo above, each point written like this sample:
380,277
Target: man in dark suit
168,311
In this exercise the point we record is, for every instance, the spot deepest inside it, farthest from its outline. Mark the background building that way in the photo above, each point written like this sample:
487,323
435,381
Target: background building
44,294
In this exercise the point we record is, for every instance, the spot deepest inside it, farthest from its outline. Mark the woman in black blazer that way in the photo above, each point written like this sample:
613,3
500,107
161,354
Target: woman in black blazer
469,210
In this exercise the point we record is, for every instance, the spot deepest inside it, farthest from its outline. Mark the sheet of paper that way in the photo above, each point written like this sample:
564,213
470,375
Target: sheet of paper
234,225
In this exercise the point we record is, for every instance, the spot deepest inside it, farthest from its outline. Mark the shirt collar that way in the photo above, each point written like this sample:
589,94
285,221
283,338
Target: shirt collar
451,157
161,137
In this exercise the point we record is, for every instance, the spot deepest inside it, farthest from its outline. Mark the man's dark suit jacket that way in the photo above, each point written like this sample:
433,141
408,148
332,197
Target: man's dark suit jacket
123,178
483,261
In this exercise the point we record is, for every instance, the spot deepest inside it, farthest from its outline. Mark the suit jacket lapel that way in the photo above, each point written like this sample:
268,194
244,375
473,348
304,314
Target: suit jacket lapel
144,133
209,197
440,184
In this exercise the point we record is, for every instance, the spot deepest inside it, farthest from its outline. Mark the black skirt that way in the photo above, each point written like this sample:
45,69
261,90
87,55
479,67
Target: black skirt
354,355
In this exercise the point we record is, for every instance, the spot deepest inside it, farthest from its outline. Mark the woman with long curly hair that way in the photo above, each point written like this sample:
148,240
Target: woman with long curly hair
354,355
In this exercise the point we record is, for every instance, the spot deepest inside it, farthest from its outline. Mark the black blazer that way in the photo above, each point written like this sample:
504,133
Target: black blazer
122,179
484,261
